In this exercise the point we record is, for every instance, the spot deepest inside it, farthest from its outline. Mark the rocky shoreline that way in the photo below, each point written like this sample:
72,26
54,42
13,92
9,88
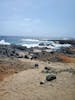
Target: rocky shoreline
38,53
11,57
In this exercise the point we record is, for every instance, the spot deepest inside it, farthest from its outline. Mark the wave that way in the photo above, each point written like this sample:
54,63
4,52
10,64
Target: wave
48,44
30,40
53,45
4,43
30,45
37,43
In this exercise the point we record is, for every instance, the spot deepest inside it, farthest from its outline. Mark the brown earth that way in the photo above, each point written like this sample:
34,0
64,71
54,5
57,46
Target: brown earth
66,59
9,66
57,57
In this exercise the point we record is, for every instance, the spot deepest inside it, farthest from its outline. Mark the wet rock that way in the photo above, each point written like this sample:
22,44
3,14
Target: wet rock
41,44
26,56
50,77
21,47
72,42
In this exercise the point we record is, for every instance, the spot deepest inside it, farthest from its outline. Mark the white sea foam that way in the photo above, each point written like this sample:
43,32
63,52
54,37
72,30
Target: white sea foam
30,45
52,45
30,40
4,43
48,44
58,46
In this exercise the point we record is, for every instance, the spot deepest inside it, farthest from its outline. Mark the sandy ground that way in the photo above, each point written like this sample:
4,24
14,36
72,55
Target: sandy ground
25,85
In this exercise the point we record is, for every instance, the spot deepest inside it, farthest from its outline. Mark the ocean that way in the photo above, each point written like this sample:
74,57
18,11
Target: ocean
30,42
18,40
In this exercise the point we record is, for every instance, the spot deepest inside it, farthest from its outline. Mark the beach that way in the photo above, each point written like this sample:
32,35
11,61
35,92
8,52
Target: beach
24,71
25,85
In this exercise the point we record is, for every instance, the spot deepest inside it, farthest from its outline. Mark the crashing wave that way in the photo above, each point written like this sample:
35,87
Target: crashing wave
30,40
30,45
4,43
53,45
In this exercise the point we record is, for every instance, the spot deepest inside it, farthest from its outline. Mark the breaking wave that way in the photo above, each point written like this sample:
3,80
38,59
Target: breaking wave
31,40
3,42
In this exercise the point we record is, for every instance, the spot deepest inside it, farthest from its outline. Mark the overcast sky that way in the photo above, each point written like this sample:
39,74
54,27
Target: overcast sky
37,17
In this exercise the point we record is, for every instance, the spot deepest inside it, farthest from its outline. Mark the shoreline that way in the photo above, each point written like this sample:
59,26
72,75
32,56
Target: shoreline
15,52
22,79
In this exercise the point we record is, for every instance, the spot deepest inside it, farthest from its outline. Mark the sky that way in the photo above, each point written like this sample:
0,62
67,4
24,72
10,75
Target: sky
53,18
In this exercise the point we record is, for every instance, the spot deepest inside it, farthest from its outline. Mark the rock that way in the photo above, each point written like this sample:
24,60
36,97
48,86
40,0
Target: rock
72,42
47,68
35,56
36,65
42,82
26,56
19,47
50,77
20,56
41,44
45,71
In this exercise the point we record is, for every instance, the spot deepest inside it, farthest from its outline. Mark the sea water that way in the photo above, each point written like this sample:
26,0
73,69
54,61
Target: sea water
30,42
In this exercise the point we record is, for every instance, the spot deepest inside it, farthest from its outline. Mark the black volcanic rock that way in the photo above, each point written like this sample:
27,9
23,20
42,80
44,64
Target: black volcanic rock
50,77
41,44
10,50
72,42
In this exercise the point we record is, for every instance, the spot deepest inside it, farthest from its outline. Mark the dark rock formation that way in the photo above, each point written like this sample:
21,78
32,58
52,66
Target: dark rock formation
67,42
11,50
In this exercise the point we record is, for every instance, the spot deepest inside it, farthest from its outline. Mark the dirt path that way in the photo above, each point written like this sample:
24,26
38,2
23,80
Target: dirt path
26,86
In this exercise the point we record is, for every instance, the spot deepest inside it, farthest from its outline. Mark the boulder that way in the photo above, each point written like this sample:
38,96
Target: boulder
41,44
26,56
50,77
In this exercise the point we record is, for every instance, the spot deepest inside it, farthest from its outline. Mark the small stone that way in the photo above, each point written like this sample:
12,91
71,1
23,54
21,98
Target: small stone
36,65
42,82
47,68
50,77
